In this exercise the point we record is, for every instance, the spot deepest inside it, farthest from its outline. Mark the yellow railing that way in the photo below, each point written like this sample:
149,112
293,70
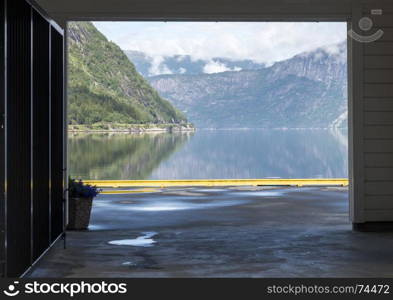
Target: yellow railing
218,182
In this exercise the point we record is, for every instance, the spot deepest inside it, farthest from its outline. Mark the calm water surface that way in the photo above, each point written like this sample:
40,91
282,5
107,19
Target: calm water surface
211,154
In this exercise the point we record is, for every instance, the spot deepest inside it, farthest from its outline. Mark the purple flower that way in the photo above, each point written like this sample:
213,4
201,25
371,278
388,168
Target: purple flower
77,189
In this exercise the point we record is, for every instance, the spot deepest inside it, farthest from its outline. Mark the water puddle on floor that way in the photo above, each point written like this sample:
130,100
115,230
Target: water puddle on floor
128,263
141,241
261,193
96,227
211,190
182,205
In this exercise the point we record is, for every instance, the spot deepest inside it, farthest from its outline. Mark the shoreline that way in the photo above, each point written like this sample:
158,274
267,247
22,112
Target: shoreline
130,128
162,128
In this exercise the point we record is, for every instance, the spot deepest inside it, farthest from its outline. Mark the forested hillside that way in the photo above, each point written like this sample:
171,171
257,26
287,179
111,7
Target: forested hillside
104,85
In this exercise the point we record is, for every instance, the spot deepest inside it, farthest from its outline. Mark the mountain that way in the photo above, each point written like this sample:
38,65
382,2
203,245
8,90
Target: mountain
104,85
307,90
184,64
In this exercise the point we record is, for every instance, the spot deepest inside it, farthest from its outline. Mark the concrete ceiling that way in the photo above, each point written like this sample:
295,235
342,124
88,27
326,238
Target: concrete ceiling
195,9
214,10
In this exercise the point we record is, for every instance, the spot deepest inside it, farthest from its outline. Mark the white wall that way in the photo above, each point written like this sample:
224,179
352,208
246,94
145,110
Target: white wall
378,120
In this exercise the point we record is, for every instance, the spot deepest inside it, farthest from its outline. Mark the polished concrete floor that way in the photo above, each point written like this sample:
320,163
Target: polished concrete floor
222,232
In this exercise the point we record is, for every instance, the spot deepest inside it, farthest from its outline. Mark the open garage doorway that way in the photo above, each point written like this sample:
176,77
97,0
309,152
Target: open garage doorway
299,131
233,108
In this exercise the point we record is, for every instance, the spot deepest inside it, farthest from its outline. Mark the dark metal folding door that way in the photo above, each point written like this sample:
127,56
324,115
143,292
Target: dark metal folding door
41,134
19,137
2,139
32,146
57,136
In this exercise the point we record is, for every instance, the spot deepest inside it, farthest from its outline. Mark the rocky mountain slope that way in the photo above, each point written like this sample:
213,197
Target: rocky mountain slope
308,90
104,85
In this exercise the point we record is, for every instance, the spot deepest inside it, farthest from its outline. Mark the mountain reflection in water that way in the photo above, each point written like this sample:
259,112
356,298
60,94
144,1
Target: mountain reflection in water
213,154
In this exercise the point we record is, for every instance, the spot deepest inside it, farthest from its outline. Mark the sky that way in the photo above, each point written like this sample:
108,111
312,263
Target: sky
258,41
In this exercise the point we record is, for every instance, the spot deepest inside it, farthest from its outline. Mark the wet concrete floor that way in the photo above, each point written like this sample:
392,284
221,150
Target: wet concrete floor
221,232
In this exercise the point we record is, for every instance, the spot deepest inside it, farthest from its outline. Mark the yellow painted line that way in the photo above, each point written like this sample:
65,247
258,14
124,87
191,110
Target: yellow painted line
218,182
129,191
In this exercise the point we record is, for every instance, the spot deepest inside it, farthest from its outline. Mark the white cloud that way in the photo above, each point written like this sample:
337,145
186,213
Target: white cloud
338,51
262,42
157,66
217,67
180,58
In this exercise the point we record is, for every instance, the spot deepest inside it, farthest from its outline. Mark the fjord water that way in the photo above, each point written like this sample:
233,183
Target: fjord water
211,154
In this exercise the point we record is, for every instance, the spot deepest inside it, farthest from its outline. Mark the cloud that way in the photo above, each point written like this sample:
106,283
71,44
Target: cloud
157,67
262,42
217,67
338,51
180,58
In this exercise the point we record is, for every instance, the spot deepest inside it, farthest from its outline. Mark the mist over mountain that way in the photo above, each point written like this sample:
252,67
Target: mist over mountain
308,90
184,64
